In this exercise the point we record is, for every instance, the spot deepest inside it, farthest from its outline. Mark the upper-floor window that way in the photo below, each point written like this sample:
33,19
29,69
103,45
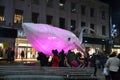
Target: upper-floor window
18,17
83,10
92,12
62,23
92,27
35,17
22,0
1,13
50,3
103,14
62,4
73,7
35,2
83,24
49,19
73,25
103,30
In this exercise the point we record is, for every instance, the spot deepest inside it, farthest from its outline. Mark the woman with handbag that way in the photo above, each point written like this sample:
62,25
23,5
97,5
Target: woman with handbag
113,64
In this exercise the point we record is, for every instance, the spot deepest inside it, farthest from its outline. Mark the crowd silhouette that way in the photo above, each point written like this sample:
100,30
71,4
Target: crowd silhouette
97,60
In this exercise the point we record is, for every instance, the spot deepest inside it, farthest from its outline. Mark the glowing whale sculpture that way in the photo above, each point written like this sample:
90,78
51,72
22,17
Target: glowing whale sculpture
46,38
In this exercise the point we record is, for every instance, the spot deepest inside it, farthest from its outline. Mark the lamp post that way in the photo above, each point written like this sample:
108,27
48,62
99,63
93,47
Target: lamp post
110,28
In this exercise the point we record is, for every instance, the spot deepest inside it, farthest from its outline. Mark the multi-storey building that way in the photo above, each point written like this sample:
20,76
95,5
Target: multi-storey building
67,14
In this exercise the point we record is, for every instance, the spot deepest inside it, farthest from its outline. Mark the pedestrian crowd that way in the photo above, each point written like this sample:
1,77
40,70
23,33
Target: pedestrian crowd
10,55
108,62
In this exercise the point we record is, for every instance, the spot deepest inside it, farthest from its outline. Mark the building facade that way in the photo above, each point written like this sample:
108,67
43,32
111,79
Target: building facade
67,14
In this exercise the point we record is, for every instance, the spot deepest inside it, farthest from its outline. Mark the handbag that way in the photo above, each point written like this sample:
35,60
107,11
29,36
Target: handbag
106,71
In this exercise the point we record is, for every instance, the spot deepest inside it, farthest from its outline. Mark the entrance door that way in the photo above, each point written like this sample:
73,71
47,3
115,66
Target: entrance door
29,53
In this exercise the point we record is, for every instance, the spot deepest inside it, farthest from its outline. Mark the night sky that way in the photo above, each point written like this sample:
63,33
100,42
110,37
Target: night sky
115,5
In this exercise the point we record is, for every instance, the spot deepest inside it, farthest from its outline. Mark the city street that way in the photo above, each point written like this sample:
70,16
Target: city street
33,63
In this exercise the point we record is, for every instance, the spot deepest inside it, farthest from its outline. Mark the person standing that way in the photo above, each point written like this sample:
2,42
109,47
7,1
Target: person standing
62,58
87,58
8,53
22,55
12,54
43,59
55,59
103,59
113,64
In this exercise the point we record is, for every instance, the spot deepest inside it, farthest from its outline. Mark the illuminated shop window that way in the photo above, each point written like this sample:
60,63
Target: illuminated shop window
18,17
1,18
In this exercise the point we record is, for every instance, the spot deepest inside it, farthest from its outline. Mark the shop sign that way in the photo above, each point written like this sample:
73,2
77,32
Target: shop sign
21,34
116,46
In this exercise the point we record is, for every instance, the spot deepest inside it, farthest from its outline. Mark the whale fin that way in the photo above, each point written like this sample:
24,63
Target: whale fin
81,32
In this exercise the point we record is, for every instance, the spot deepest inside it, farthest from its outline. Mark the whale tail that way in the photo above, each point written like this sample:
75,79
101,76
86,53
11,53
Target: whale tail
81,32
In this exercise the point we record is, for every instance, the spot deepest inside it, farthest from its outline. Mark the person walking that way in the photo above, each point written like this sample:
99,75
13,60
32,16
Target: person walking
22,55
93,63
118,73
113,64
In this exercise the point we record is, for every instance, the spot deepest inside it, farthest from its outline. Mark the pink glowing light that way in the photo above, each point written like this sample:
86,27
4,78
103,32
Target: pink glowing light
46,38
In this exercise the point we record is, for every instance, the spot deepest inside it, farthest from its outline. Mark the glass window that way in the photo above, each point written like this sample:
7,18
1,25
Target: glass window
83,10
50,3
92,12
35,17
92,27
62,23
49,19
18,17
103,30
1,13
83,24
35,1
103,15
22,0
73,25
73,7
61,4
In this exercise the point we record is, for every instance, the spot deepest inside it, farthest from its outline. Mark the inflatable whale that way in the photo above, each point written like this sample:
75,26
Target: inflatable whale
45,38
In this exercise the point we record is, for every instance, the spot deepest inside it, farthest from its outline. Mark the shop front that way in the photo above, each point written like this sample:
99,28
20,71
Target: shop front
95,44
116,48
7,39
22,44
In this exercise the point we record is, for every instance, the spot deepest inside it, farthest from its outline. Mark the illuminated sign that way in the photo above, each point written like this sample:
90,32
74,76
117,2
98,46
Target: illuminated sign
116,46
21,34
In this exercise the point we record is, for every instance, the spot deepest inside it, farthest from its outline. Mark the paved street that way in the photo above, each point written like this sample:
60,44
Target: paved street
36,63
